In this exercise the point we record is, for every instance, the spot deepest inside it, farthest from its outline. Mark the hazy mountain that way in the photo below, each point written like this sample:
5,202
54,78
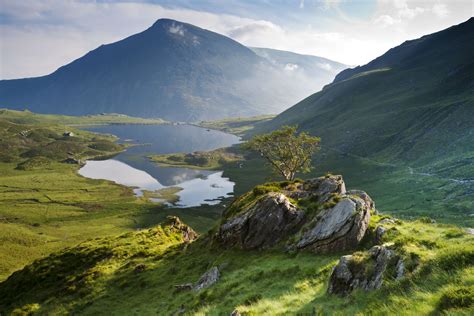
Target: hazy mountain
172,70
318,70
414,105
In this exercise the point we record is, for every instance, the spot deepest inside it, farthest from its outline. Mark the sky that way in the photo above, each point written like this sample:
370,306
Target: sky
38,36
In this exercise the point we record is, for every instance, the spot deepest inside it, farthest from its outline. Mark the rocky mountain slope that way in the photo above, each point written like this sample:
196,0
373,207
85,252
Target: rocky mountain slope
172,70
249,263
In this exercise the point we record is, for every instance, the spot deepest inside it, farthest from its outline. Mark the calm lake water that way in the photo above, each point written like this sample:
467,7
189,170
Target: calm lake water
133,168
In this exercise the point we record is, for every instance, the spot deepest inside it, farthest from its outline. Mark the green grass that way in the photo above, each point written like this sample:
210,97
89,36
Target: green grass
205,160
27,117
45,205
136,273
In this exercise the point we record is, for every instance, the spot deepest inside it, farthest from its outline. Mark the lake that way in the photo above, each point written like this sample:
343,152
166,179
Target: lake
133,168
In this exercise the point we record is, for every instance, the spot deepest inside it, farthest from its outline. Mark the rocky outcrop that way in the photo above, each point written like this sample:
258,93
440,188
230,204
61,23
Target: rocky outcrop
187,232
207,279
338,228
272,218
336,221
364,270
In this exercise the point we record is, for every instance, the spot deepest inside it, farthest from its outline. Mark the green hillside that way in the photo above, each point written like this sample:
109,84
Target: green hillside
45,205
139,272
402,123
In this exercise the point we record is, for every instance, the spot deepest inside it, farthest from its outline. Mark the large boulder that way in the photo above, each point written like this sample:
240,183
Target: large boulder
364,270
341,227
328,218
272,218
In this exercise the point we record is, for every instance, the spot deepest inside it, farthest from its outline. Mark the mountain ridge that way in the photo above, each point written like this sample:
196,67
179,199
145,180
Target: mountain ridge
173,70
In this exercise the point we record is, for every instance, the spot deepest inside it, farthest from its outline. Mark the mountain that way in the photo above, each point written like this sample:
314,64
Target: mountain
401,127
172,70
414,106
319,70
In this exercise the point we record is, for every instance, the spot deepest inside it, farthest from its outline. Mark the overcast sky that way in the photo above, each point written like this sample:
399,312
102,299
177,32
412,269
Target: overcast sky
38,36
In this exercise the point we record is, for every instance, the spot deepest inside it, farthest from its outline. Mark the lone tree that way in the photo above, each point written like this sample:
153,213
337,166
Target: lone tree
286,150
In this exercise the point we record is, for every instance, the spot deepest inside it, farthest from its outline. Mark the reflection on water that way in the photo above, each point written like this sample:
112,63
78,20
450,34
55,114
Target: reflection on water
133,168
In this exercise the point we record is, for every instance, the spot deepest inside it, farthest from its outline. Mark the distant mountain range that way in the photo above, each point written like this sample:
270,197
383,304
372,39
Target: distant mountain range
413,105
176,71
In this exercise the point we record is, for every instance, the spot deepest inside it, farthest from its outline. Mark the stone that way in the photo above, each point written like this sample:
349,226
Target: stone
387,221
324,187
379,232
184,287
271,219
370,204
336,220
235,313
207,279
187,232
400,269
341,227
367,273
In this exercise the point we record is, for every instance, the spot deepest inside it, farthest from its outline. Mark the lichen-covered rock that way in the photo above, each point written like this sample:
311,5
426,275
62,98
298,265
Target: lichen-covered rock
370,204
379,232
187,232
363,270
328,218
272,218
341,227
207,279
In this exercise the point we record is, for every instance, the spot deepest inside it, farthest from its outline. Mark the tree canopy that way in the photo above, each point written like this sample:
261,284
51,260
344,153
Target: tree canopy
286,150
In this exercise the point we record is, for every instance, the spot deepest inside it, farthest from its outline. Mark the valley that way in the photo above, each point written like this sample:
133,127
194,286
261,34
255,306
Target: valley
177,171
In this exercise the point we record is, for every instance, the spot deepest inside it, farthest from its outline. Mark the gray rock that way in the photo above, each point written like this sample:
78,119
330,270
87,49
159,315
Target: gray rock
207,279
365,197
184,287
400,268
387,221
323,187
367,273
271,219
379,232
339,228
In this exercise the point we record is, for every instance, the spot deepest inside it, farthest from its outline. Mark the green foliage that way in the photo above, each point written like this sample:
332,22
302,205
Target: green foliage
286,151
456,297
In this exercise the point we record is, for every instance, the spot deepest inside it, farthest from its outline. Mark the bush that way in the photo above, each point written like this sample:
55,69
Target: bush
457,297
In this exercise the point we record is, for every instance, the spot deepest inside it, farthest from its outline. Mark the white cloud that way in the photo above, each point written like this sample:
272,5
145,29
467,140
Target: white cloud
301,4
47,34
440,10
291,67
386,20
325,66
177,29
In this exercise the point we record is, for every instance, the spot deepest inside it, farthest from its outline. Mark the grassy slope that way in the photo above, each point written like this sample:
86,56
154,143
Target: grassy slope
49,206
136,273
401,127
27,117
